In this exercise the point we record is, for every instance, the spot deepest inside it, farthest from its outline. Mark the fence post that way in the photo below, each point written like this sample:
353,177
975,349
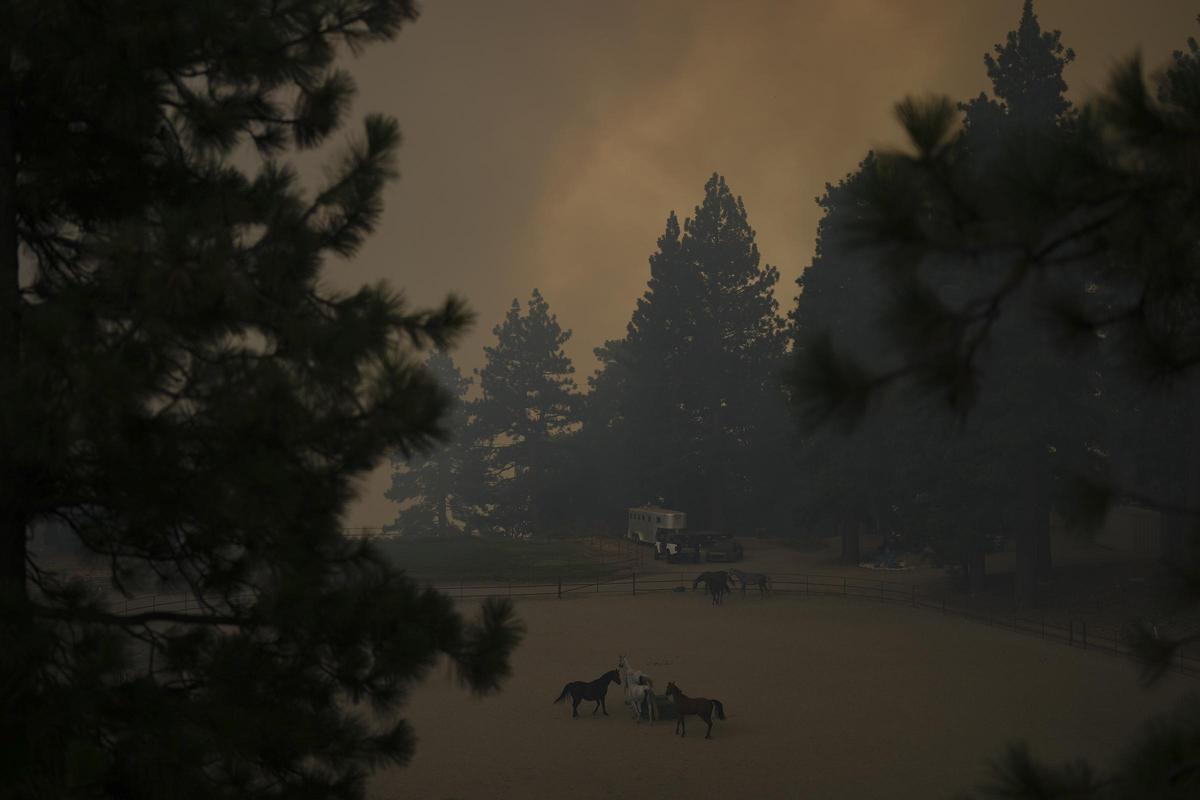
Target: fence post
560,587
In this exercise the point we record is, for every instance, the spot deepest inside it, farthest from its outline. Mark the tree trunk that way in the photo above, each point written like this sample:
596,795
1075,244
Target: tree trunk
13,518
535,487
17,622
676,469
1025,585
1042,500
716,488
977,569
850,549
1045,561
1180,529
1033,536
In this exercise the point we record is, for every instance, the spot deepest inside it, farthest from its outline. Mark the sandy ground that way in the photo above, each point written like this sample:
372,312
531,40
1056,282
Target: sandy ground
826,698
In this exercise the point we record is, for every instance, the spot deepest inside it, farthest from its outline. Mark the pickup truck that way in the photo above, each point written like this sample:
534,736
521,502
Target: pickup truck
687,546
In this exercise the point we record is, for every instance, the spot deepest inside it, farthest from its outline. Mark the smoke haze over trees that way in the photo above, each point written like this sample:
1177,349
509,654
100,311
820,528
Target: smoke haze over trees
999,328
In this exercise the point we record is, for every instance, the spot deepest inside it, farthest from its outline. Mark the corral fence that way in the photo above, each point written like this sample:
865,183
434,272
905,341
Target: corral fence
1070,630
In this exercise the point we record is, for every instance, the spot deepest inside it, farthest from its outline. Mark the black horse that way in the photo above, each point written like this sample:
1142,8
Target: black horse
718,584
590,690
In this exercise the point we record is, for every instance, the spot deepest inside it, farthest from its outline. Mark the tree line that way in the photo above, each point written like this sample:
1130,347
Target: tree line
685,410
696,407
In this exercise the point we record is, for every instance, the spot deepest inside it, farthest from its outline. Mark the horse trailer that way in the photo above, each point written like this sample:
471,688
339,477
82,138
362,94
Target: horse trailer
651,525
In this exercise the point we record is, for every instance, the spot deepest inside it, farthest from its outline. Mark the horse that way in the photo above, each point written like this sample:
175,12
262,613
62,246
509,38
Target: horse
589,690
636,694
758,579
636,676
718,584
702,707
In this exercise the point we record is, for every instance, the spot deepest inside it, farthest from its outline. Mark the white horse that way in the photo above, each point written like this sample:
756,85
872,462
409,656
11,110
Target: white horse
636,676
636,693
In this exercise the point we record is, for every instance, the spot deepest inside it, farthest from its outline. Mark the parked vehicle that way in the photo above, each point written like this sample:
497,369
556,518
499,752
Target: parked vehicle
724,550
678,548
688,546
650,524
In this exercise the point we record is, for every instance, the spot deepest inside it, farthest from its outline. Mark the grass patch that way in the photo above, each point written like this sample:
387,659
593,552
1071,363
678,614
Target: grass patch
472,558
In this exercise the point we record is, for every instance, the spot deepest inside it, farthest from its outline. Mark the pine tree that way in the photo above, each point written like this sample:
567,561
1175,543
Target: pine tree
637,396
1109,203
527,410
699,405
434,489
179,390
1031,406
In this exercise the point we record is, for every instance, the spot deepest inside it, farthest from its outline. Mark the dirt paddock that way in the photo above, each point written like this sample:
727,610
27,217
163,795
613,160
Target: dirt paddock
825,697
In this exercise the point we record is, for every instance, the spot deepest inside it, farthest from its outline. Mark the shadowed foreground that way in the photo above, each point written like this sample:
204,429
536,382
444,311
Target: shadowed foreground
825,698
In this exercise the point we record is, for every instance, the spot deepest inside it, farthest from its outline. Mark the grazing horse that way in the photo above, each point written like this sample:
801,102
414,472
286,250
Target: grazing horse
637,694
636,676
702,707
758,579
590,690
718,584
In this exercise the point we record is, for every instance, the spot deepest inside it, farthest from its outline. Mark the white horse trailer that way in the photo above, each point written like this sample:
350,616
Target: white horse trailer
651,525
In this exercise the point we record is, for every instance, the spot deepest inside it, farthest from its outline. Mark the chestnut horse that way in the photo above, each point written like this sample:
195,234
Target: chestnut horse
702,707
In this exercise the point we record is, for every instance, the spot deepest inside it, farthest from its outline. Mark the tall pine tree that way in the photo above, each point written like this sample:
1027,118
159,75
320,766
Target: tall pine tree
180,391
527,412
1034,413
1110,204
693,389
434,490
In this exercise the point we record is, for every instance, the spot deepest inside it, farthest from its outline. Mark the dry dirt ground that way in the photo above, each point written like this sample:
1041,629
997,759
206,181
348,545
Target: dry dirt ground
825,697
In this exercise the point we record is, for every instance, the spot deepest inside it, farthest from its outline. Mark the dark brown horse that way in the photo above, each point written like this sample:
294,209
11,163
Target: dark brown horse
718,584
590,690
702,707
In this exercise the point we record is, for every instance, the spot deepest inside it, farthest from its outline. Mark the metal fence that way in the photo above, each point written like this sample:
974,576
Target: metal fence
1070,630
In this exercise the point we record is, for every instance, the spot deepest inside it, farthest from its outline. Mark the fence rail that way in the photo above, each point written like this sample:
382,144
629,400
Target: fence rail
1071,630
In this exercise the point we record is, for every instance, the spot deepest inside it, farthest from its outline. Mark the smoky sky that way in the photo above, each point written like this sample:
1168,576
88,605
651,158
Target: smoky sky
545,141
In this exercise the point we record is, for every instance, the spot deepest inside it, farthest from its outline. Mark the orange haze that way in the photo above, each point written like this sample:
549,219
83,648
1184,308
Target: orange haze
546,140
